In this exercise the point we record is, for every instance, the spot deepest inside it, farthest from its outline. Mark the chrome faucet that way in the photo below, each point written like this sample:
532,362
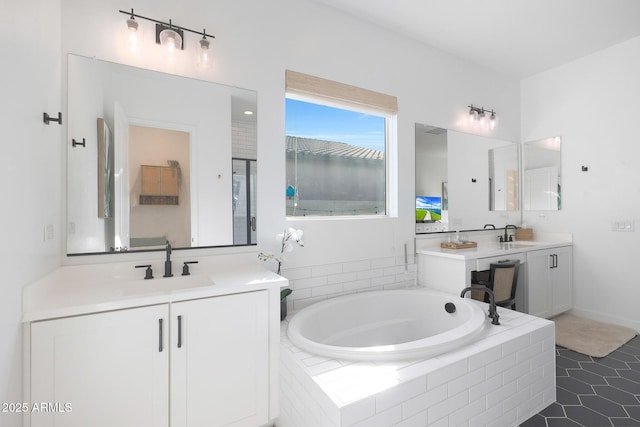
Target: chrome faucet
493,311
507,237
167,263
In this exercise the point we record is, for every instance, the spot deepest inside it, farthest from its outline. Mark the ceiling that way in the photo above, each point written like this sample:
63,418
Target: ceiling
517,38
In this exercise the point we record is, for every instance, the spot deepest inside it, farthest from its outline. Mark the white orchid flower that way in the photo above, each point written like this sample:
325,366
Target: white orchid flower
286,245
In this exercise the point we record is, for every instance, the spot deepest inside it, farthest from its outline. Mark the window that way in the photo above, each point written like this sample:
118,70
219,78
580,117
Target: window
337,149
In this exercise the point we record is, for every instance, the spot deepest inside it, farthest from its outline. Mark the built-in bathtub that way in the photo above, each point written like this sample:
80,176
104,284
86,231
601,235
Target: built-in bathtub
387,325
502,377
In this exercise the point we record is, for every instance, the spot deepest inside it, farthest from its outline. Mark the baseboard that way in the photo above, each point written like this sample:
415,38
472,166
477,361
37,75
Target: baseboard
607,318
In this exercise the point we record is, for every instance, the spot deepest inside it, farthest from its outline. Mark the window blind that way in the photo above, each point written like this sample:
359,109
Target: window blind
305,84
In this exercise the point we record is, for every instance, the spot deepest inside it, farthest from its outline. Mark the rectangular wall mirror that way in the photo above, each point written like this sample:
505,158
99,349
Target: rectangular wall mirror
464,181
165,158
542,175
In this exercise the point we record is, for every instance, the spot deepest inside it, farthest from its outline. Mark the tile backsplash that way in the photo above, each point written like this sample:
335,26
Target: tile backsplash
315,283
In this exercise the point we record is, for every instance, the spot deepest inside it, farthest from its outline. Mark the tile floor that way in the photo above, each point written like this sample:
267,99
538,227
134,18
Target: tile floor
593,392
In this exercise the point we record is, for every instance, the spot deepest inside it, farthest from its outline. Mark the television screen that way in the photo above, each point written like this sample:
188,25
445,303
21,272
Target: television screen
428,208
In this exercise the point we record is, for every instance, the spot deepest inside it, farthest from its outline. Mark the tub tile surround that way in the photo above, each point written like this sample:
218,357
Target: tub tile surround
503,378
319,282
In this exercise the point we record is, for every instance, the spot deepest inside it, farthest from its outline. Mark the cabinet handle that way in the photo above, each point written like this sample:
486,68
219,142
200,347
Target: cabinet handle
179,331
160,346
554,261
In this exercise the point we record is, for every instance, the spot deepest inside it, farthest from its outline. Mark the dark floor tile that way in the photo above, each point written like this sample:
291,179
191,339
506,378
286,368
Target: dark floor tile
562,422
630,375
586,376
631,351
624,384
554,410
599,369
594,392
563,362
612,363
603,406
635,343
535,421
634,365
574,385
615,395
634,412
586,416
578,357
625,357
561,372
565,397
624,422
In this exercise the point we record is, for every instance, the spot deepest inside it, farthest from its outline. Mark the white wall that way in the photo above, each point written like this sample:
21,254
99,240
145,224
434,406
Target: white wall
592,103
30,82
256,41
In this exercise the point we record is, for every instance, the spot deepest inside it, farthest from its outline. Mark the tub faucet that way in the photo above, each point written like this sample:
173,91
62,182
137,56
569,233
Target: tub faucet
493,311
507,237
167,263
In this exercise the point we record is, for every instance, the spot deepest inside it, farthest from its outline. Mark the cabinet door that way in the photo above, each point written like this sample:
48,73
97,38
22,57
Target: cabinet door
561,280
219,361
538,285
151,180
112,368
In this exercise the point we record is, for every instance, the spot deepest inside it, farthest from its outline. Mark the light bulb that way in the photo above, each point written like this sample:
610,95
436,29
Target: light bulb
171,44
481,117
133,34
492,121
203,52
472,115
170,39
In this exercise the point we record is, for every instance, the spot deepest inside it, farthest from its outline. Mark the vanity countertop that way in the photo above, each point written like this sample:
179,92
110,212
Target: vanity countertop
85,289
490,249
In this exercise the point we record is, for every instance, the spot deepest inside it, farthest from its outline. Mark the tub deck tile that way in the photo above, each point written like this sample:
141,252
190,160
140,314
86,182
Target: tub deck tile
504,377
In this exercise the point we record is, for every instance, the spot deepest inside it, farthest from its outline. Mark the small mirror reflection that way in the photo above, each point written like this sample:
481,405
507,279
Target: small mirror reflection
542,175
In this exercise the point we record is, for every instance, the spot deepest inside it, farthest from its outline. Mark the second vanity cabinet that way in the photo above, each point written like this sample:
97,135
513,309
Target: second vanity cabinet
201,362
545,286
549,281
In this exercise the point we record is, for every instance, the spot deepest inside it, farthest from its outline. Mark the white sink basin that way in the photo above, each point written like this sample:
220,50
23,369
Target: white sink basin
166,284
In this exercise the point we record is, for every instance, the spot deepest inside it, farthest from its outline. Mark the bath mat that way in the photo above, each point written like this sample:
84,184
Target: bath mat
590,337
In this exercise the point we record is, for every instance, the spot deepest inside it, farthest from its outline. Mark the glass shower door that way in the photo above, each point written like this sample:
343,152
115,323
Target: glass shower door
244,201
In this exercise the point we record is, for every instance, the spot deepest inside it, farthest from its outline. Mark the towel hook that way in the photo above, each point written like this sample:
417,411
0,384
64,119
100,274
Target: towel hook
46,118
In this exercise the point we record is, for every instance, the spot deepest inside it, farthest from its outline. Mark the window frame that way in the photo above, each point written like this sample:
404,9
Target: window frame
390,152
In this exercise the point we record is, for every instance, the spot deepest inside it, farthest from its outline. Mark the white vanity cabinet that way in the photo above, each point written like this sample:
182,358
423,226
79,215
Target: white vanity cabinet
219,361
201,362
549,281
108,367
545,284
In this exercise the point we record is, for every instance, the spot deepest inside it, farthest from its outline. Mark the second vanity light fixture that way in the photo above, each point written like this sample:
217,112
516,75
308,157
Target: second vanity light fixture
170,36
479,114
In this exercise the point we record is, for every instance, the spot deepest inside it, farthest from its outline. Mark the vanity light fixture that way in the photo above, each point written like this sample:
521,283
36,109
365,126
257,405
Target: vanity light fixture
479,114
172,36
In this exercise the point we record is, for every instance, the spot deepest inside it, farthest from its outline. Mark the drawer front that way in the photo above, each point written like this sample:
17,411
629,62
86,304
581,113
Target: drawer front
484,263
